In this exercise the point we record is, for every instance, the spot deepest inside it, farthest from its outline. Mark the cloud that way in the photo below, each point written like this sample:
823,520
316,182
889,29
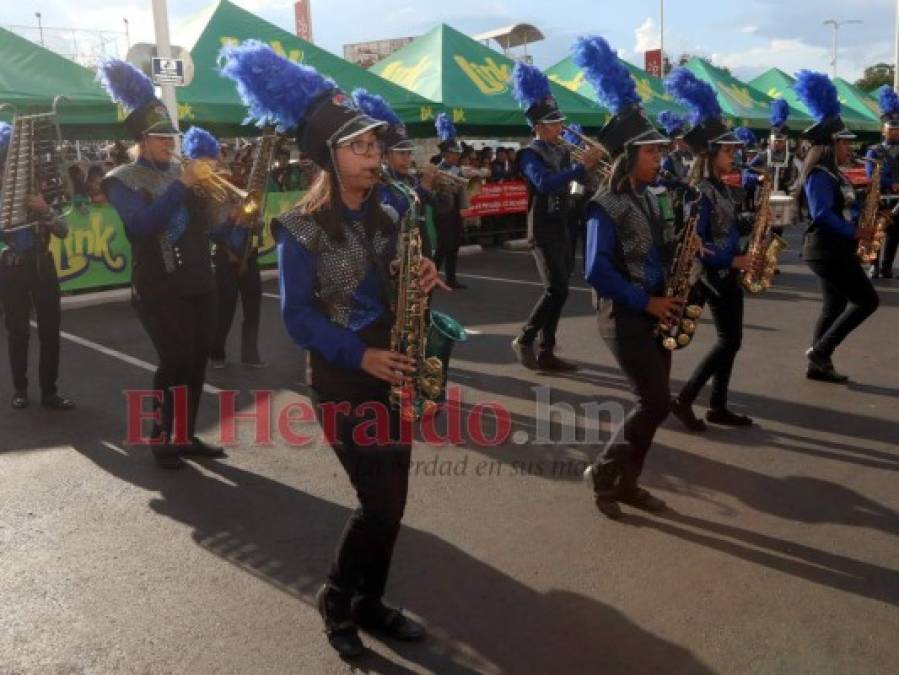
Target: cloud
646,36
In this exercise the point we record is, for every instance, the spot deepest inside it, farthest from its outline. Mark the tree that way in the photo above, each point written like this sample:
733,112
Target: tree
683,59
876,76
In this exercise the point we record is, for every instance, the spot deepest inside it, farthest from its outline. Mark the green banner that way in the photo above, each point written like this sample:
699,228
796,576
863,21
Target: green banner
96,253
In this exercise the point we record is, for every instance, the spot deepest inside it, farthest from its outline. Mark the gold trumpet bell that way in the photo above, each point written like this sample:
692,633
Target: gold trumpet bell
213,185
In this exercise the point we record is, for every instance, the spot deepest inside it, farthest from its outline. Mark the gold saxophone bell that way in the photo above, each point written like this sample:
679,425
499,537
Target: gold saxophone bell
213,185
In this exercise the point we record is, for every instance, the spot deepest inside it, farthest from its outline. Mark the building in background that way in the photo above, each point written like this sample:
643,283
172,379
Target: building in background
367,54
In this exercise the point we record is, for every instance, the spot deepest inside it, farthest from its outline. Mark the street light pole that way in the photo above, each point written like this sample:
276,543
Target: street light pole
164,50
127,34
836,27
662,35
40,27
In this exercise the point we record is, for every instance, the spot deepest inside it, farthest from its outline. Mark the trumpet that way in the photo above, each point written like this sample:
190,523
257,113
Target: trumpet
450,181
213,185
604,167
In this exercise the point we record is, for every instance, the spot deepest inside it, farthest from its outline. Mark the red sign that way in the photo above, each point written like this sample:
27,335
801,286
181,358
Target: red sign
302,12
653,62
498,199
857,176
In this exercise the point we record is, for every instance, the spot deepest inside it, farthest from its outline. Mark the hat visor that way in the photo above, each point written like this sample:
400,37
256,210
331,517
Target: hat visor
553,118
405,145
359,125
650,137
844,135
728,138
162,128
454,147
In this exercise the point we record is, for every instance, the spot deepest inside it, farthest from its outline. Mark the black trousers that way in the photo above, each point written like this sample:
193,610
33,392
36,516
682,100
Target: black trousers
890,244
248,286
647,365
848,299
449,239
380,475
553,258
181,330
21,288
718,364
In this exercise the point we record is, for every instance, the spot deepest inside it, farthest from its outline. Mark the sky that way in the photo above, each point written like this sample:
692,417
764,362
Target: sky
748,36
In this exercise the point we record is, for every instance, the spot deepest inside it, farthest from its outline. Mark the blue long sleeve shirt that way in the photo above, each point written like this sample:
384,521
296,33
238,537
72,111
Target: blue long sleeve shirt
820,192
306,324
229,233
603,274
397,201
544,179
166,213
750,179
720,256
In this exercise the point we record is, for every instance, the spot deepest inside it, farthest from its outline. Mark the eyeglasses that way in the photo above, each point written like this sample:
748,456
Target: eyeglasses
363,148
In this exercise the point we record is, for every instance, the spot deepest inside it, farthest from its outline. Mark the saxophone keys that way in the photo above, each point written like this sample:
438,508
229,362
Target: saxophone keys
688,326
693,311
683,340
670,344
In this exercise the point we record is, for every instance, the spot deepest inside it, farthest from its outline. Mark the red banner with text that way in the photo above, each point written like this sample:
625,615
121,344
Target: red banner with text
498,199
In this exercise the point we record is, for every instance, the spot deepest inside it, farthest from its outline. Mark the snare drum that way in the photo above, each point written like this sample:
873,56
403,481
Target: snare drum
783,210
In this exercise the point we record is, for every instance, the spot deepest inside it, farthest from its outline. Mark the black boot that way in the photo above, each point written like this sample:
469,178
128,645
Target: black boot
57,402
820,368
602,480
727,418
684,412
548,361
629,492
200,448
167,456
380,619
340,627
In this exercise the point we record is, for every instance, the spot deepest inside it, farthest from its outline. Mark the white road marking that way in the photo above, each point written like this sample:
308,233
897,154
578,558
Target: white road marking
126,358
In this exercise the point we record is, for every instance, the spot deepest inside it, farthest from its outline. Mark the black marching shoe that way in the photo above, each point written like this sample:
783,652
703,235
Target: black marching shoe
727,418
821,368
549,362
57,402
684,412
339,625
383,620
524,352
456,286
19,400
641,499
167,456
200,448
605,493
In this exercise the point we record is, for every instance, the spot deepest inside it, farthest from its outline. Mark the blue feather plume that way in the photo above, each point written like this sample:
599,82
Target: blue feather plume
695,94
446,130
5,134
375,106
125,84
529,85
671,122
606,74
274,89
780,111
571,133
746,136
199,143
818,94
888,101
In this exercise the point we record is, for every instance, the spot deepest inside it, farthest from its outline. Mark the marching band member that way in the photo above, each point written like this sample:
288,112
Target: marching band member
629,247
549,170
676,163
172,286
449,201
28,277
719,227
235,256
888,154
830,243
334,253
398,149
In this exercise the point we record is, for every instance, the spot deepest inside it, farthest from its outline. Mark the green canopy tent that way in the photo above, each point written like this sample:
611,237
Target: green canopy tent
31,77
472,82
652,91
743,104
212,101
777,84
854,98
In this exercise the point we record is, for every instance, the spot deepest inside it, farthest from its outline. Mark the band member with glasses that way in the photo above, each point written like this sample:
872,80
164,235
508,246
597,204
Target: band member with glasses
334,253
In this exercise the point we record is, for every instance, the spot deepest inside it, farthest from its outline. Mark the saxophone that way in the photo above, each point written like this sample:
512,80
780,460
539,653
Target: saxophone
253,205
412,324
678,332
873,222
764,245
